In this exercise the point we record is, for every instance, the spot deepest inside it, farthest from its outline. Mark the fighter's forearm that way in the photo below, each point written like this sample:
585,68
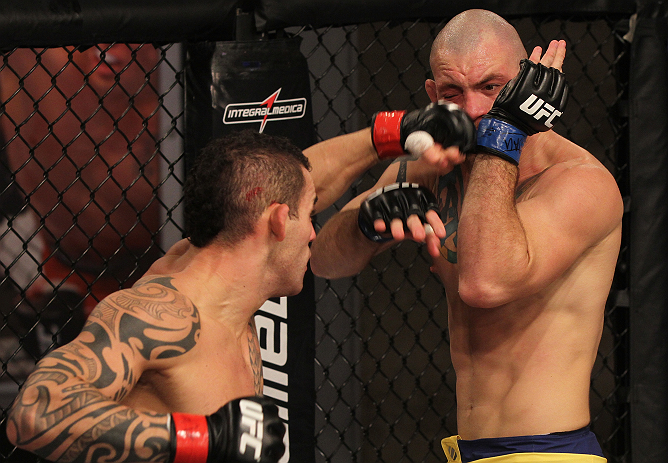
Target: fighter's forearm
490,234
336,163
67,422
340,249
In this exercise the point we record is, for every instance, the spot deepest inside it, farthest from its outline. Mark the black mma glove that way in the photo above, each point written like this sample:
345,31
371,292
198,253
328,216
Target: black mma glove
395,201
446,122
526,105
242,431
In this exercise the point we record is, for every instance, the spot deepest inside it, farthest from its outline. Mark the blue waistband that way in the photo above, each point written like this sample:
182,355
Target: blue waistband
581,441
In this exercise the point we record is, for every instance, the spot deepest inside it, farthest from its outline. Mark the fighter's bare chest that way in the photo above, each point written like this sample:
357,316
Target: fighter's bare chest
229,361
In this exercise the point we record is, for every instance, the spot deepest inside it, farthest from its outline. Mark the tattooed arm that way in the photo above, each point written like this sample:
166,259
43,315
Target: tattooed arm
69,410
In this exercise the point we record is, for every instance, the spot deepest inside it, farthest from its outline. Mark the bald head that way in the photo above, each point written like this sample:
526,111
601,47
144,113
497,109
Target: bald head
471,30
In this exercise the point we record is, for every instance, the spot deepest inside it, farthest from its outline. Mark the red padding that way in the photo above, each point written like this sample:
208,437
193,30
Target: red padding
386,134
192,438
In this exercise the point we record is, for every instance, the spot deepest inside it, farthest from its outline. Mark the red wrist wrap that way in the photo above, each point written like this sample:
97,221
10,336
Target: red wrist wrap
386,134
192,438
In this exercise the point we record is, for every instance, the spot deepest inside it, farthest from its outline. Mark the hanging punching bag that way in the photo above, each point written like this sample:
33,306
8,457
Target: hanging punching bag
263,85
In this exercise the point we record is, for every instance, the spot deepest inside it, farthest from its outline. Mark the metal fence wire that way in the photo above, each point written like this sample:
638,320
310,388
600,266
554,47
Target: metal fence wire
90,178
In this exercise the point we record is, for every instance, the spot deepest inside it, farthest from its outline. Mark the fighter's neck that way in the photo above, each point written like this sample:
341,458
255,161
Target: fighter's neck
228,284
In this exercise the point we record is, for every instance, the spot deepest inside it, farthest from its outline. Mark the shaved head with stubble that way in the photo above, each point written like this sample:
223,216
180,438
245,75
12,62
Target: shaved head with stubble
468,32
475,54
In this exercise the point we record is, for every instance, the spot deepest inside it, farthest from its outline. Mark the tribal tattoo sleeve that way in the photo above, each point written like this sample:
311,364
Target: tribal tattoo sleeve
69,411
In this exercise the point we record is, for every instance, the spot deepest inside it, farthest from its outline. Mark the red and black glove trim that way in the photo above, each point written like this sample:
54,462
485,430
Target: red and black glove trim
189,438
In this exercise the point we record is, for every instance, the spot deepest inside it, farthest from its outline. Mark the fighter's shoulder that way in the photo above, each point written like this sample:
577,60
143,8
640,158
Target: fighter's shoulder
151,297
581,191
155,279
583,173
570,165
152,318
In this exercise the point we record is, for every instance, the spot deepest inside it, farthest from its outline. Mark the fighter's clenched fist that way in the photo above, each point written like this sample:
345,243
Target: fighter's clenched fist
242,431
446,124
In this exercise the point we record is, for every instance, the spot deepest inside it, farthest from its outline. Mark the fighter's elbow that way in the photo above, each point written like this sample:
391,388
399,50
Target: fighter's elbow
324,268
22,426
479,293
12,433
318,268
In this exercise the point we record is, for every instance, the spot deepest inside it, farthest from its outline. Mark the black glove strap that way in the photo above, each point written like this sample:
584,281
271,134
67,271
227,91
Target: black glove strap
172,439
401,174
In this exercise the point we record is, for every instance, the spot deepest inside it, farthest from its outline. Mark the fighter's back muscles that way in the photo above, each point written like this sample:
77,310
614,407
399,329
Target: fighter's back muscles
80,385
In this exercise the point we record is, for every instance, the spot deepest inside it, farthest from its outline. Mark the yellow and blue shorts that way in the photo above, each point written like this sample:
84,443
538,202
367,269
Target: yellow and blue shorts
578,446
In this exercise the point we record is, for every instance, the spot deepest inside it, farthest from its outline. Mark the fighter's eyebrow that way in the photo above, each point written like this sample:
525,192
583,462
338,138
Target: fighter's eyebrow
489,78
482,82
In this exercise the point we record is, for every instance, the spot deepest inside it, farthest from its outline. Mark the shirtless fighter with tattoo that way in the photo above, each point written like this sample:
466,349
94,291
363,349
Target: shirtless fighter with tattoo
524,231
170,369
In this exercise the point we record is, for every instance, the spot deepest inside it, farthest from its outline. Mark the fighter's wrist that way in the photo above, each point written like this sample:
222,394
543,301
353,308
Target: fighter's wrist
386,134
189,438
500,138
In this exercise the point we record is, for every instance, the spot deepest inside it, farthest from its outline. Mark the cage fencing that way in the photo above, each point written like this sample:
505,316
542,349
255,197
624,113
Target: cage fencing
92,168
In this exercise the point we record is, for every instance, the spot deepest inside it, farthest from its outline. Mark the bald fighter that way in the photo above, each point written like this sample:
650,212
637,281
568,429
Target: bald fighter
524,231
170,369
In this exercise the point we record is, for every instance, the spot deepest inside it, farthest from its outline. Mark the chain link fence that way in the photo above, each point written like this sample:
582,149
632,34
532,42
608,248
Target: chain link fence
90,188
90,179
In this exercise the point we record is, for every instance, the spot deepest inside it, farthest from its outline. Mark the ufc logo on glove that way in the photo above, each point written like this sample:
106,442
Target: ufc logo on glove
252,424
503,130
537,108
246,424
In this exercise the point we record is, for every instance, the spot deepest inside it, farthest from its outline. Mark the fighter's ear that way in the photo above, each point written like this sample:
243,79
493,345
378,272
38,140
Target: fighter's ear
278,218
430,87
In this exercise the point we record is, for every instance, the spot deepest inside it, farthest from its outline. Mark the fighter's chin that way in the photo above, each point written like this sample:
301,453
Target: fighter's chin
290,291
